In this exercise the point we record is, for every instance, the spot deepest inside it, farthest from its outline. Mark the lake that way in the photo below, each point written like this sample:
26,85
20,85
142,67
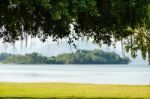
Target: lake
96,74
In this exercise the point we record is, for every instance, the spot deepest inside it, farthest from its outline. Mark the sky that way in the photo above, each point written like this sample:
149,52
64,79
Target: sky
50,48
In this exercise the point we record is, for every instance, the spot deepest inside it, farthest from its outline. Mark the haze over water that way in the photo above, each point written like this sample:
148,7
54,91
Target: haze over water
97,74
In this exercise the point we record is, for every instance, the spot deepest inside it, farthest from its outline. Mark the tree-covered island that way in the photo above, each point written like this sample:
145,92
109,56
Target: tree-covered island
79,57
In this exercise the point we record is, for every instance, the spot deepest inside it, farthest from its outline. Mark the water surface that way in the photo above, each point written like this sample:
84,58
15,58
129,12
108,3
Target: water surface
97,74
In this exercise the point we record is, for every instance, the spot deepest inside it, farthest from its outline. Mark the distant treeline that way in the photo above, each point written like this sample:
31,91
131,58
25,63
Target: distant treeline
79,57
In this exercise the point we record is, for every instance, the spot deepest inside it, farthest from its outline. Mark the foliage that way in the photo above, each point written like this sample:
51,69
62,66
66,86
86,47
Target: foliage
4,56
80,57
90,57
101,20
73,91
33,58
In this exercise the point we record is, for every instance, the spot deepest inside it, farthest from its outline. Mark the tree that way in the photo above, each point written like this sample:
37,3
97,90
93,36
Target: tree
79,57
98,19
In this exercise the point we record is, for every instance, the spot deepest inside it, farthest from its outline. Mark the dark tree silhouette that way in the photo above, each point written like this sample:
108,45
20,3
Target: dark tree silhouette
98,19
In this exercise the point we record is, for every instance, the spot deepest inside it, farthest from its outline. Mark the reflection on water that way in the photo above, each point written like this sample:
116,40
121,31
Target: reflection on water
101,74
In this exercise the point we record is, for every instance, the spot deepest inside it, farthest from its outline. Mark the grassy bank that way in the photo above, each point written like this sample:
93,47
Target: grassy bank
70,90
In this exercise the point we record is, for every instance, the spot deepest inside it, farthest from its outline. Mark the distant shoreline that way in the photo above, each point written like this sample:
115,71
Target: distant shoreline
78,57
82,64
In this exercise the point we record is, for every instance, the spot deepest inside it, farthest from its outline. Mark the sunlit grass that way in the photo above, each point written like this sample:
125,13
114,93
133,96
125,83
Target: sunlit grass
72,90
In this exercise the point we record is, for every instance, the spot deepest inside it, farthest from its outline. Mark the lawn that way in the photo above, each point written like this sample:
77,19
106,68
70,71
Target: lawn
73,90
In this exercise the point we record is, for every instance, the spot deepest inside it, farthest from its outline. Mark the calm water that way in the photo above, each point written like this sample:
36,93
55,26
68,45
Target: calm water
99,74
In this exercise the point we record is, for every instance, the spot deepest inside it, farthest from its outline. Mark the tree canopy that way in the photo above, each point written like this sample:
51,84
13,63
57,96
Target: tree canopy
101,20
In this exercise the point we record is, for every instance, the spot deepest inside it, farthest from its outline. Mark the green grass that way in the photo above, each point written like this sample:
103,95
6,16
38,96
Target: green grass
72,90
